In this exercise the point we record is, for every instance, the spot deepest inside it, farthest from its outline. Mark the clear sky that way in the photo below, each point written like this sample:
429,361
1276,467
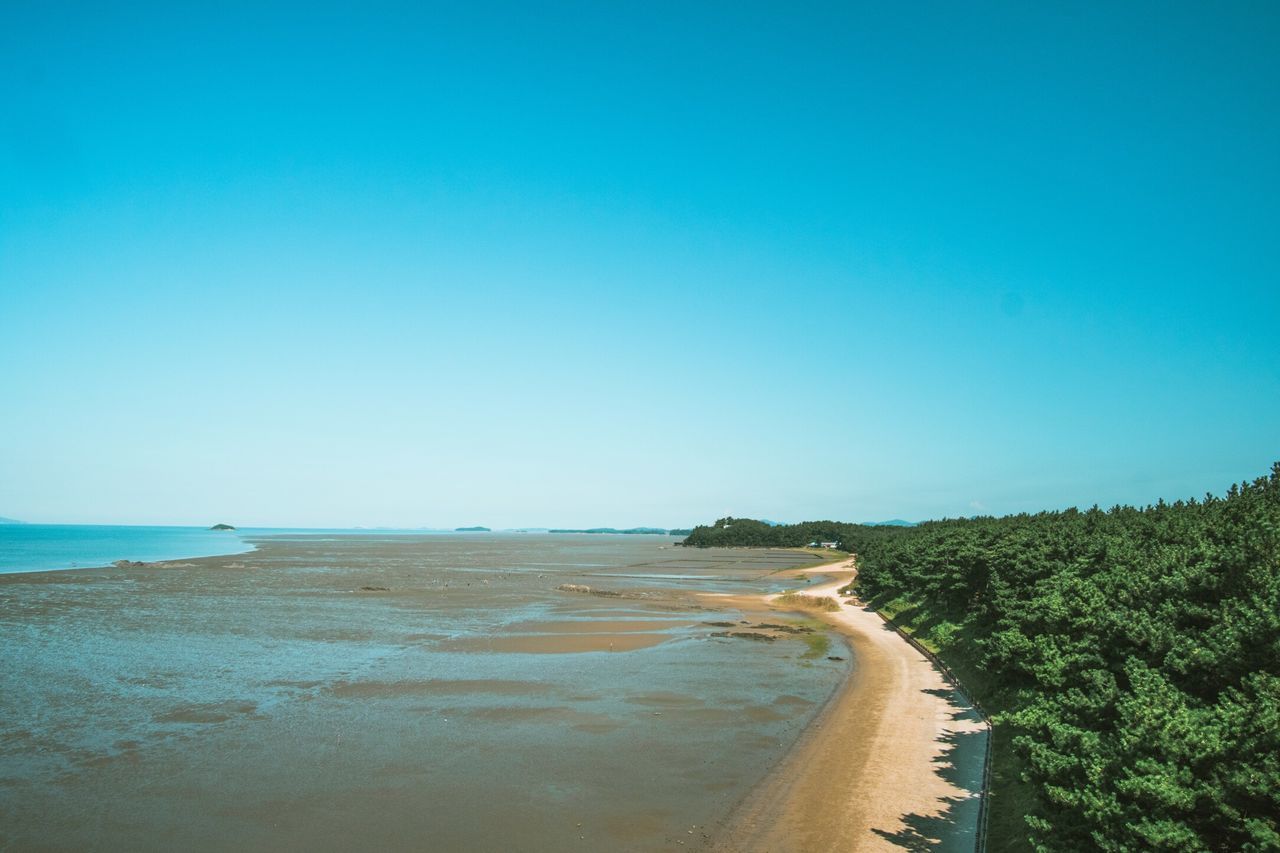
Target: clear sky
579,264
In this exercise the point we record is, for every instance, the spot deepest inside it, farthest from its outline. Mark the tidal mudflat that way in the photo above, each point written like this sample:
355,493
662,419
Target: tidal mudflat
471,692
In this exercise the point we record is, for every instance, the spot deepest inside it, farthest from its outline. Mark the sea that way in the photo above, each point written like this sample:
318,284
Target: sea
43,547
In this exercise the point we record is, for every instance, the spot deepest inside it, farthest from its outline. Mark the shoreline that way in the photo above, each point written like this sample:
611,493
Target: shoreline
243,535
880,767
156,562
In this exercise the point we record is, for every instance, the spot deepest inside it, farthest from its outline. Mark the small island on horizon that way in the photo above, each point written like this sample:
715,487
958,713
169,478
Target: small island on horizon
222,527
476,529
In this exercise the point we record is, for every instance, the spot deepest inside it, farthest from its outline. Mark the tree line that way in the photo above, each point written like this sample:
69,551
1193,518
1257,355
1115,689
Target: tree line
749,533
1130,657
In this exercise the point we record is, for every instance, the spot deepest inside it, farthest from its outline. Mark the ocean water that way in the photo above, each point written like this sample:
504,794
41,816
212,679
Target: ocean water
395,692
41,547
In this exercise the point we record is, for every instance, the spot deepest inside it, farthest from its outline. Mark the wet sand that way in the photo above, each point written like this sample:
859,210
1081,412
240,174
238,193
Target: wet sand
893,762
398,693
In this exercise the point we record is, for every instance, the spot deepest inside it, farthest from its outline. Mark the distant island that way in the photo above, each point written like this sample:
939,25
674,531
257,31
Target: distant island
222,527
471,530
4,520
658,531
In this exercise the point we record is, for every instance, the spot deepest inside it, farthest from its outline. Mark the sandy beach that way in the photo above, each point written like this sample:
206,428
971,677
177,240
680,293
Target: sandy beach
889,763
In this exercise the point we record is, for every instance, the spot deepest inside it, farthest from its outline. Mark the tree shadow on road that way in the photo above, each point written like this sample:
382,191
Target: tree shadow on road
954,827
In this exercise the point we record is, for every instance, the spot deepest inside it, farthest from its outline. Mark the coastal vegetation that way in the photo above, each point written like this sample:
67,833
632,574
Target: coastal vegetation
748,532
818,645
807,602
1130,659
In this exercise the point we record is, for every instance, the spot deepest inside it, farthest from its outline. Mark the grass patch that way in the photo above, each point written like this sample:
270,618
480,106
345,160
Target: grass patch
821,557
819,645
800,601
824,555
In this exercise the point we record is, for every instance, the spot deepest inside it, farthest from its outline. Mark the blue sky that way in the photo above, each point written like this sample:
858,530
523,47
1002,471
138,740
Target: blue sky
442,264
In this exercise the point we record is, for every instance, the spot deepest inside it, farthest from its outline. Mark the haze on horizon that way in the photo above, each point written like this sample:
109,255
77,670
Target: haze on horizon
583,266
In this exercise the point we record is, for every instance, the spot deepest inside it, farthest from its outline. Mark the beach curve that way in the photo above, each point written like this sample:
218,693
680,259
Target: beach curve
887,764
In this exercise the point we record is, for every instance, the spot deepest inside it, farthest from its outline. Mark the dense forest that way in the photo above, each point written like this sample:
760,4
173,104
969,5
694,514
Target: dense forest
747,532
630,530
1130,658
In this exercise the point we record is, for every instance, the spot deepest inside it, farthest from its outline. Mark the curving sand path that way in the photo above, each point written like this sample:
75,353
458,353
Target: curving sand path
893,762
